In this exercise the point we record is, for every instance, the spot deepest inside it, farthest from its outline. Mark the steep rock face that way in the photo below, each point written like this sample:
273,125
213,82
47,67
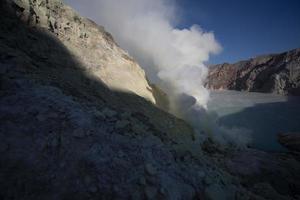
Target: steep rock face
65,135
278,73
89,43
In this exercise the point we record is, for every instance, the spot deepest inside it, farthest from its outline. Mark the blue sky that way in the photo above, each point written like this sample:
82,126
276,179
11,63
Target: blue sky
245,28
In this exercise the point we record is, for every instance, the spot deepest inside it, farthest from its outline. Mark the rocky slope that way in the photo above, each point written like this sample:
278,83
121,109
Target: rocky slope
278,73
69,131
89,43
290,140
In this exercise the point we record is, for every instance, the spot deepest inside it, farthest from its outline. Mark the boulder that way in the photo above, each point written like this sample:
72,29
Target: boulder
290,140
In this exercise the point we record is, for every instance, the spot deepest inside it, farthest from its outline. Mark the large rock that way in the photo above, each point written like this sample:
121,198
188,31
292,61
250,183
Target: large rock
277,73
91,45
290,140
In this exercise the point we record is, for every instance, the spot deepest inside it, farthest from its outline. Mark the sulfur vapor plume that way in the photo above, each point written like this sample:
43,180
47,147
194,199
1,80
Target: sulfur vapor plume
173,58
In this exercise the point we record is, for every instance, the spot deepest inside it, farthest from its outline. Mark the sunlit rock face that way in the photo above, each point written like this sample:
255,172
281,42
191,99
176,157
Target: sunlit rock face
90,43
278,73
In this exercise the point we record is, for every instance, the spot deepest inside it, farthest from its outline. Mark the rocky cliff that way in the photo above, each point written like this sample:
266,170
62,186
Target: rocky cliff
89,43
73,126
278,73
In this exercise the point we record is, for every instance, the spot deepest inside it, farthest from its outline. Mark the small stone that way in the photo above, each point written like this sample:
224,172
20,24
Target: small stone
52,21
126,115
215,192
136,195
99,114
90,133
150,170
201,174
162,191
208,180
41,117
109,113
139,128
142,181
116,189
122,124
3,147
53,176
79,133
62,164
52,115
32,20
121,154
54,143
150,192
93,189
186,158
87,180
151,180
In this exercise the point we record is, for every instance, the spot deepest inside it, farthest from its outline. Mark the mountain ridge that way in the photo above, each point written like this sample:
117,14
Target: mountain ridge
273,73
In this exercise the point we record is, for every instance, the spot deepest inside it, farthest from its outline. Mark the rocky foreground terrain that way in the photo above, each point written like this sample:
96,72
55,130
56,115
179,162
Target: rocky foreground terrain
277,73
80,121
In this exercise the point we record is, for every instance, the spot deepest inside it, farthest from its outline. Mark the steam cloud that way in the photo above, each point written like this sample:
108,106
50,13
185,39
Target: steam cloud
172,58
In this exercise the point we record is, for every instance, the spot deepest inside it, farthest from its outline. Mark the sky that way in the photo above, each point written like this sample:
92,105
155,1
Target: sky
245,28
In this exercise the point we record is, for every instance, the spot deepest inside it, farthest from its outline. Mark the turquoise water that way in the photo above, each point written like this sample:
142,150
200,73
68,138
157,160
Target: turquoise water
265,115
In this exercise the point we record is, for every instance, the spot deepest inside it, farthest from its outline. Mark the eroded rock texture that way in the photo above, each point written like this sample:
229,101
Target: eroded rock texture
74,126
88,42
279,73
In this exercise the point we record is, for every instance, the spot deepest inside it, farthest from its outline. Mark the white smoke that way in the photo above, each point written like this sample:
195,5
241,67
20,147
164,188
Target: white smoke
172,58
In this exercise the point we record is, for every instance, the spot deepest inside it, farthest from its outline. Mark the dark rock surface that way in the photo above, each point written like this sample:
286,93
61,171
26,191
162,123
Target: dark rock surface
290,140
64,134
253,166
278,73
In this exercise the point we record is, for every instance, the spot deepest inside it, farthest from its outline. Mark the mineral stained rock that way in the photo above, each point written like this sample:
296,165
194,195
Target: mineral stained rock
276,73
